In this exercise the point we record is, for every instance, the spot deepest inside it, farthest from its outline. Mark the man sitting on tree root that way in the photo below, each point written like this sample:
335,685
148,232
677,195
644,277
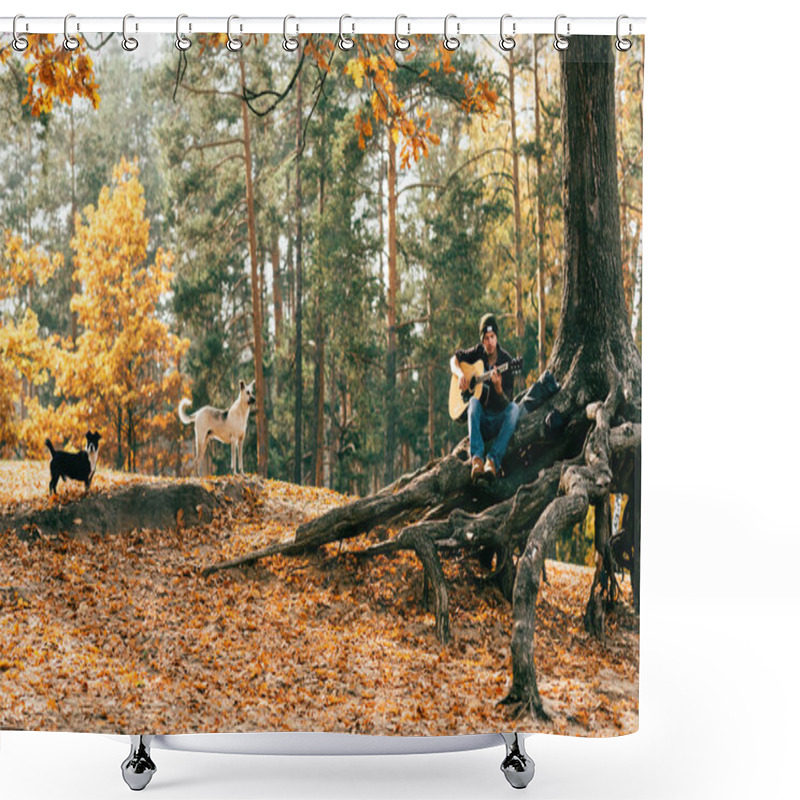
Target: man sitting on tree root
495,414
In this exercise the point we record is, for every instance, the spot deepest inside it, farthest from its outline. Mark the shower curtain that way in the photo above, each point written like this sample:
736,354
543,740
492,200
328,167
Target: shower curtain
242,486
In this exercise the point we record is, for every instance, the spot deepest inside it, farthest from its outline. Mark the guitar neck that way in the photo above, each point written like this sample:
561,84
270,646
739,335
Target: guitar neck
487,375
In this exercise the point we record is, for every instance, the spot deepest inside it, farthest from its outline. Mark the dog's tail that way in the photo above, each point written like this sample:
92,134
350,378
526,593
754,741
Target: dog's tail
185,418
50,447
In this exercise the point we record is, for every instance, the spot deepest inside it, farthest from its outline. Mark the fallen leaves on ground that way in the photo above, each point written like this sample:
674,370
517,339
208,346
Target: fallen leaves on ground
122,633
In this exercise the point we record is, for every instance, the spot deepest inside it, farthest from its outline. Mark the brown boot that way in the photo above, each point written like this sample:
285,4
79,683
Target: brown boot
490,470
477,468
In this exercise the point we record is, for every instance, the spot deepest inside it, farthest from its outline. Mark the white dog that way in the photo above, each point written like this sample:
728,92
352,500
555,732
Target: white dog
224,426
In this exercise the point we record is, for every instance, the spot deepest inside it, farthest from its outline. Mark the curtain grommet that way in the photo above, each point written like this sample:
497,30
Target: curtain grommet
451,43
507,42
345,42
560,42
181,42
401,43
19,43
71,43
290,43
129,43
234,43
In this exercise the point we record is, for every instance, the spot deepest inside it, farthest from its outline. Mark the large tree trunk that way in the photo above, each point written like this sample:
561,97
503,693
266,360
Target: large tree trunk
318,420
262,432
390,442
594,356
298,306
539,213
519,320
593,346
277,292
550,482
275,251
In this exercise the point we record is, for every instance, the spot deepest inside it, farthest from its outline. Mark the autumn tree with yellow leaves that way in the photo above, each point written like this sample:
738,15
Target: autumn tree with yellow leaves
124,370
23,354
122,374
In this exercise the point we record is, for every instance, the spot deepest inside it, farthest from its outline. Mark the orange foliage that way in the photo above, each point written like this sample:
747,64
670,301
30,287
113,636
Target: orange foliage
21,266
23,354
373,64
122,375
55,74
124,370
124,633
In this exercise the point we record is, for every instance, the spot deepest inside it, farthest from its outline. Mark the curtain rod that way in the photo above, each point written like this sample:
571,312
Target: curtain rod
408,26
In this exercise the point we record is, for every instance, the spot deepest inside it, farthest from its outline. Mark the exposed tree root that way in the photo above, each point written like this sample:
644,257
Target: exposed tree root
558,498
549,485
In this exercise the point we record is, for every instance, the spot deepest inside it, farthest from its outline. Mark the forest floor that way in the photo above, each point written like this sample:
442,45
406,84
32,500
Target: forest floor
121,633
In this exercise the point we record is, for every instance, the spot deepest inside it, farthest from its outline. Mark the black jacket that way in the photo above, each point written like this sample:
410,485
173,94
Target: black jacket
492,400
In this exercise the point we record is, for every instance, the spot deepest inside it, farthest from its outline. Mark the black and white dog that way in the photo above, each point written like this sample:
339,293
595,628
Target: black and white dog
227,426
76,466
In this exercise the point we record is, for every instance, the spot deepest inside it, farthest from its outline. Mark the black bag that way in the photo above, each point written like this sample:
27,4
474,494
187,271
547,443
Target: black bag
537,394
553,424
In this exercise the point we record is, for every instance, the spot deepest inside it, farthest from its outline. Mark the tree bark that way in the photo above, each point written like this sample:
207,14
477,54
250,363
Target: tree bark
431,389
262,433
319,367
390,442
593,341
594,356
519,320
277,291
298,306
539,214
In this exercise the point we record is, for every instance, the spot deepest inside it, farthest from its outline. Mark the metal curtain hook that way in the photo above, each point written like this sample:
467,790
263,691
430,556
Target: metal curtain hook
561,42
128,42
451,42
623,45
234,43
507,42
181,42
70,42
19,43
400,42
290,44
345,42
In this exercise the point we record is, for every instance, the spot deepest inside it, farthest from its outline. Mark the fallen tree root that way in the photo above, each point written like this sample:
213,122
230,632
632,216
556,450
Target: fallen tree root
580,486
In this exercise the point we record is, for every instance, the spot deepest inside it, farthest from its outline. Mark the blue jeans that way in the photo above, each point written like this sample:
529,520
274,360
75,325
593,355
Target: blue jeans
485,424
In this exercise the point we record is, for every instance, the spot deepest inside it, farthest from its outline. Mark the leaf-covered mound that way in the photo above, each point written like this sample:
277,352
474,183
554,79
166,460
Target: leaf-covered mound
119,633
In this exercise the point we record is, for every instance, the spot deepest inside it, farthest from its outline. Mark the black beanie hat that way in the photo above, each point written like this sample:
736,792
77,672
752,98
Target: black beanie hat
488,323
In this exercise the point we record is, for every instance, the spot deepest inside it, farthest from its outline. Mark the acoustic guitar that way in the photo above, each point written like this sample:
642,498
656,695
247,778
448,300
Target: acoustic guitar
474,373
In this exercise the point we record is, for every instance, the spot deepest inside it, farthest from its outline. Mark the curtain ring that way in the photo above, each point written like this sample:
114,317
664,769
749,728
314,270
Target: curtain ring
400,42
290,44
19,43
345,43
234,44
181,42
128,42
623,45
561,42
451,42
507,42
70,42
